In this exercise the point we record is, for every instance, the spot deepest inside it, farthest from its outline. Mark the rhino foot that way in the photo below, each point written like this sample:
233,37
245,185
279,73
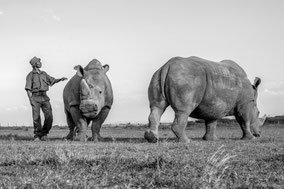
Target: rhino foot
150,136
251,137
69,136
184,140
96,138
81,138
210,137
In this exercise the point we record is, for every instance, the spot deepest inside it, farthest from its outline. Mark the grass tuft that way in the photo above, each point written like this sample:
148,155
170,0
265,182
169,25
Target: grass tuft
216,170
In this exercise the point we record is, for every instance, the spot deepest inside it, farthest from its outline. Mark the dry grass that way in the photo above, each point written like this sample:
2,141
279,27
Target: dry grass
130,162
216,169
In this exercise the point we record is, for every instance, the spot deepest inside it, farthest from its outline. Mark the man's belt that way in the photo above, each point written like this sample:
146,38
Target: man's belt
40,93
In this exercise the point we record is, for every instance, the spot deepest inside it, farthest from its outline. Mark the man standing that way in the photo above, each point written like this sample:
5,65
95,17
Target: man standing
37,83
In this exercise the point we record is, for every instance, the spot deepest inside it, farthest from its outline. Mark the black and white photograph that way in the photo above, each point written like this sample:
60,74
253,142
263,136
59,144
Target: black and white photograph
142,94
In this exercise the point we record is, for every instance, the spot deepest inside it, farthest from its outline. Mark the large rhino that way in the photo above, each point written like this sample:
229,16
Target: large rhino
205,90
87,98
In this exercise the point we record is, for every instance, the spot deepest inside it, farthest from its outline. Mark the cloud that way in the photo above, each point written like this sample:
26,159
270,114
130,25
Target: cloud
274,88
275,84
17,108
274,92
53,15
1,12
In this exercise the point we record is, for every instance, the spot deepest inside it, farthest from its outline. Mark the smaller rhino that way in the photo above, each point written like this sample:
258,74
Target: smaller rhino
87,97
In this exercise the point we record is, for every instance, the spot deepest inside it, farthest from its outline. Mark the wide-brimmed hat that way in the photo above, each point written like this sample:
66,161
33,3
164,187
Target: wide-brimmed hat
34,60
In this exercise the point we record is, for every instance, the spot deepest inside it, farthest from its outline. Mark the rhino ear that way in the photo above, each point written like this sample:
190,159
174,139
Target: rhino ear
256,83
80,70
106,67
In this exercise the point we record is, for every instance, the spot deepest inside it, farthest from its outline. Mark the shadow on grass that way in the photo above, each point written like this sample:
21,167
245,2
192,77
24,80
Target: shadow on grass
15,137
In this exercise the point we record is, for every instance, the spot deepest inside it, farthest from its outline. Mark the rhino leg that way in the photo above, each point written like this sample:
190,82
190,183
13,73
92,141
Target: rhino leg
71,126
179,125
97,124
210,130
245,126
82,130
247,135
151,134
80,122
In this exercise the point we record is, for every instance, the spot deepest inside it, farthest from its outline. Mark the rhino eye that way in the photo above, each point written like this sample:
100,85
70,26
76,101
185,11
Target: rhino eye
91,86
100,92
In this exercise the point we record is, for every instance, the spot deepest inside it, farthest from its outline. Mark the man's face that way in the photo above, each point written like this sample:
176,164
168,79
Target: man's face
38,64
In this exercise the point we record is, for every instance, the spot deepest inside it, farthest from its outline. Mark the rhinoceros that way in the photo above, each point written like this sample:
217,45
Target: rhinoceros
203,89
87,97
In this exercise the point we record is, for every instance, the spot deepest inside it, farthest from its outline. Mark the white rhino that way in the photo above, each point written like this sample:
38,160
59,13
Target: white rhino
87,98
205,90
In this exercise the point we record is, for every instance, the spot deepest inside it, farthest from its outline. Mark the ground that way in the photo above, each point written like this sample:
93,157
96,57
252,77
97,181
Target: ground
126,160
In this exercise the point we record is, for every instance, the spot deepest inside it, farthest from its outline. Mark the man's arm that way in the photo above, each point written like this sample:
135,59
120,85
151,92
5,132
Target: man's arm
61,79
58,80
29,93
28,87
52,80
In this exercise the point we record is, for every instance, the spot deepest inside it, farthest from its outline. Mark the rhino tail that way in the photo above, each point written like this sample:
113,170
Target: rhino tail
163,76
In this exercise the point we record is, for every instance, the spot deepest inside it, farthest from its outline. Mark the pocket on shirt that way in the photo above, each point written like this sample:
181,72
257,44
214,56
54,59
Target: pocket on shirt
36,85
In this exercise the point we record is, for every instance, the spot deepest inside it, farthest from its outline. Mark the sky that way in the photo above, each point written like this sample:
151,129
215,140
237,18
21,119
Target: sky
135,38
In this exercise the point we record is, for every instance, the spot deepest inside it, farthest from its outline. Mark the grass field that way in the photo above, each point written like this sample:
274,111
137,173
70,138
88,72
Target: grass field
126,160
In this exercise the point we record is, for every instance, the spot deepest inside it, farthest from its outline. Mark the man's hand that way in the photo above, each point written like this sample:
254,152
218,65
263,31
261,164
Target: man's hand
31,102
63,79
58,80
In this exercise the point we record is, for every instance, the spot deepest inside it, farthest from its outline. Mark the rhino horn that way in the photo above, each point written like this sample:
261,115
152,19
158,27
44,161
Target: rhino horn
262,119
86,85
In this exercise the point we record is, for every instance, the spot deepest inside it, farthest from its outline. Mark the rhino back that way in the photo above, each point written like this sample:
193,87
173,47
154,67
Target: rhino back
212,88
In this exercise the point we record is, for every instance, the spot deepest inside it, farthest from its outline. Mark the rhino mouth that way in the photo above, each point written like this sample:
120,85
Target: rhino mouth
256,135
88,110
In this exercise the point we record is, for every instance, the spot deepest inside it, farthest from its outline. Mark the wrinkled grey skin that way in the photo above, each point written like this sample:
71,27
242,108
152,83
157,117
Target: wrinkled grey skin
205,90
87,98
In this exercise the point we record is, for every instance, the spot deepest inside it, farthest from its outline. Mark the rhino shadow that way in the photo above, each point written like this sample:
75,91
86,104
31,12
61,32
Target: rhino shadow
15,137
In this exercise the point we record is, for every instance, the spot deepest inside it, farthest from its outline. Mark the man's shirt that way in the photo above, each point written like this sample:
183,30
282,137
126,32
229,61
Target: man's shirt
38,81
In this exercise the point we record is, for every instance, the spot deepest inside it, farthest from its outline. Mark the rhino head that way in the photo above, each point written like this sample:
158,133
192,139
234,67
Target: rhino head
250,112
92,88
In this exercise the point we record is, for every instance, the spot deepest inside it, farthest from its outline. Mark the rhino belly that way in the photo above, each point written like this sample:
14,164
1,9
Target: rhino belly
210,110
